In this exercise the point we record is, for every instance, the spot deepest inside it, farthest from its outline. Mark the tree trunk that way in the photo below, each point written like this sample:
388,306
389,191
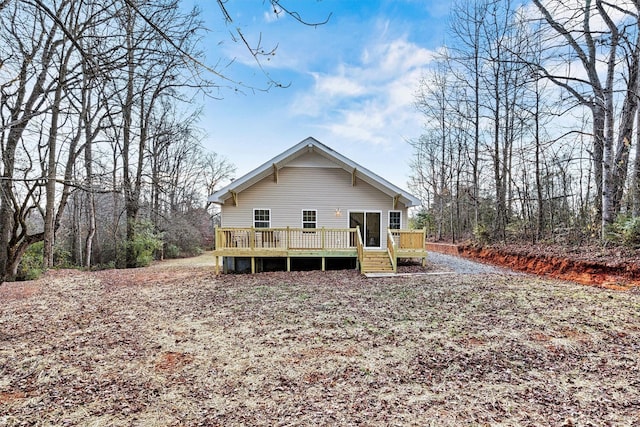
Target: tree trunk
538,172
91,202
598,160
497,169
635,182
49,218
6,212
131,198
625,132
91,230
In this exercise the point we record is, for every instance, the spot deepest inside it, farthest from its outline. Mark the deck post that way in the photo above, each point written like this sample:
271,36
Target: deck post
288,237
288,263
322,268
253,265
424,245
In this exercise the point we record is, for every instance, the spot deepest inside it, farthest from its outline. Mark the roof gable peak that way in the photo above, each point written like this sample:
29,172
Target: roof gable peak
311,145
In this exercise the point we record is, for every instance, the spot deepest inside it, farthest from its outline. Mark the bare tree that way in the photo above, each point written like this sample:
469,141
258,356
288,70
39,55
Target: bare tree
70,68
598,48
492,118
432,101
465,52
32,45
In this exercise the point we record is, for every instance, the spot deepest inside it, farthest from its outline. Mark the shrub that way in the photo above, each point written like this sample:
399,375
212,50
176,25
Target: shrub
108,266
144,243
62,257
482,234
30,267
422,219
631,232
171,251
182,235
625,230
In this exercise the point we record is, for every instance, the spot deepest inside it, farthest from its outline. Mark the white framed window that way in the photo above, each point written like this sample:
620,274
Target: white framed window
309,218
262,218
395,220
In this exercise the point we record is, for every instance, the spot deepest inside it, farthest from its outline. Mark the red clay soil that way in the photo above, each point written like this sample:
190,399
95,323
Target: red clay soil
171,361
613,268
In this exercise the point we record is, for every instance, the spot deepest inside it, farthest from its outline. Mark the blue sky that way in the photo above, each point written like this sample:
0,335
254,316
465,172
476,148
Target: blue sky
351,81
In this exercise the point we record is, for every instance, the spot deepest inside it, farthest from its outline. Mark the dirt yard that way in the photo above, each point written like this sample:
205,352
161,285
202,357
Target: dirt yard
173,345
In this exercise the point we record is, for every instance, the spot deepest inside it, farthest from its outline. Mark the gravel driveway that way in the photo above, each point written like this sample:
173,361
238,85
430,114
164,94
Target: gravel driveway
463,266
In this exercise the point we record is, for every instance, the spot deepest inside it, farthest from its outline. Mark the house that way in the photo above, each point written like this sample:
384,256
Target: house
313,208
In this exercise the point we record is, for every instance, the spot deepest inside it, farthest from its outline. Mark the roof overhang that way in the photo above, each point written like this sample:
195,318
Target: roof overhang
312,145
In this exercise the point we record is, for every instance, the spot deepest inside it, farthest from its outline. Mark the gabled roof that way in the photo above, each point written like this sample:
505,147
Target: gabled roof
312,145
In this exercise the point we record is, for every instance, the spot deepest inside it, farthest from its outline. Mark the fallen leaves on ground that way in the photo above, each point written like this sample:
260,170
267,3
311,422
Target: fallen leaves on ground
180,346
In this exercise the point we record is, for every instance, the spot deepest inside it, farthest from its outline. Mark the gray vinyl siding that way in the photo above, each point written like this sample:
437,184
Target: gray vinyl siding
309,188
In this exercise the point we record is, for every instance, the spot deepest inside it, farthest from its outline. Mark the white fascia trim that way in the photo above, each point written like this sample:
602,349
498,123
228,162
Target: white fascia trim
300,148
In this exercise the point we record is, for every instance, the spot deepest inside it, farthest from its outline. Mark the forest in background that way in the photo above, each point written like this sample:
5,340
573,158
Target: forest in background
102,163
531,124
102,160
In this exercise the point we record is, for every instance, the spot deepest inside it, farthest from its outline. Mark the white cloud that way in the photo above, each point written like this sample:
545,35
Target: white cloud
338,85
370,100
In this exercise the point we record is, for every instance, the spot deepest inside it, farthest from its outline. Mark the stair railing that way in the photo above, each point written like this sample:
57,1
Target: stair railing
360,246
392,250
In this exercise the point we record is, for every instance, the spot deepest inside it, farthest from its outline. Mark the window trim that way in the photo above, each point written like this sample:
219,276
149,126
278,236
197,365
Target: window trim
254,217
389,220
315,212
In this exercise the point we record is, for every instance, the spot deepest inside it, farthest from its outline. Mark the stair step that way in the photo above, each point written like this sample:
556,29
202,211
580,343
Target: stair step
376,262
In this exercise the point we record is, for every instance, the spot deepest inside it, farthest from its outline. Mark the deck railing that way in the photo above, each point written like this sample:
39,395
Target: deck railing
360,246
409,239
409,244
286,239
391,249
312,242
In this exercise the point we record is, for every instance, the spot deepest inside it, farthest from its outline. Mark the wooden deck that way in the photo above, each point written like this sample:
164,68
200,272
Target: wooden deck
312,243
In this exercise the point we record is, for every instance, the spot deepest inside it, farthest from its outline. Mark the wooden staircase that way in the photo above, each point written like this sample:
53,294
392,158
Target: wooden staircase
376,262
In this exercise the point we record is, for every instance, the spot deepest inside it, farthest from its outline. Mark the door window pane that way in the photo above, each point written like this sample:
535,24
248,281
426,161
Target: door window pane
356,219
372,225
